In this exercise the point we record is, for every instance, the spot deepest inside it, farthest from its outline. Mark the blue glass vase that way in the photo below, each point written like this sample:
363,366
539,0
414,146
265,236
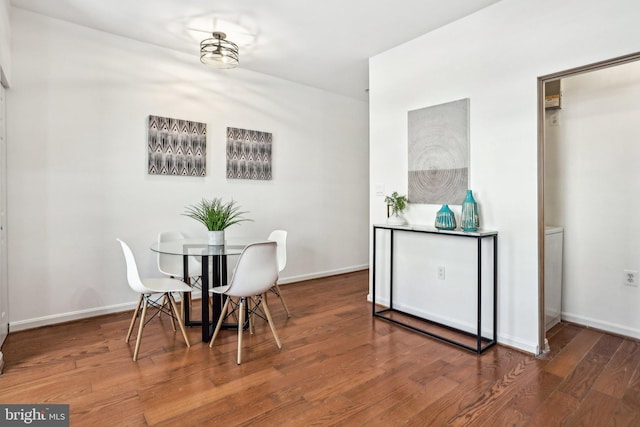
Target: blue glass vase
445,219
469,220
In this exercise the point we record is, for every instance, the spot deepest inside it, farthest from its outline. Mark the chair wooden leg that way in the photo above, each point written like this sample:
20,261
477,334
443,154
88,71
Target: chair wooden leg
284,304
240,324
175,311
139,338
167,297
223,313
185,298
133,319
270,321
249,304
164,302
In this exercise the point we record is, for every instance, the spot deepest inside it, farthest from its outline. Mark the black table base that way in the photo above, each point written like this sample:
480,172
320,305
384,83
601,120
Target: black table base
219,278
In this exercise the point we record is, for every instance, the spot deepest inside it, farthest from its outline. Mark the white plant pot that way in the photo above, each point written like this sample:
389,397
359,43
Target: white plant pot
396,220
216,238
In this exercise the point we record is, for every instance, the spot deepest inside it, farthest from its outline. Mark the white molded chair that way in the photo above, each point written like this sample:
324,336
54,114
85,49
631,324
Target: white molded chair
280,237
147,288
172,265
255,273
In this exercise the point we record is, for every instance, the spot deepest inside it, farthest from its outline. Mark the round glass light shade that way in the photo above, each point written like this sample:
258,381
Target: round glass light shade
218,52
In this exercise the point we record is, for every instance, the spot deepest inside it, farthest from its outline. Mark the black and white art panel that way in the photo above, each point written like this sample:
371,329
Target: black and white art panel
248,154
439,153
177,147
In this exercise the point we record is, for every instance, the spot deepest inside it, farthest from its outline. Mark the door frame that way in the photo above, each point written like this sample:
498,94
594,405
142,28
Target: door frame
620,60
4,277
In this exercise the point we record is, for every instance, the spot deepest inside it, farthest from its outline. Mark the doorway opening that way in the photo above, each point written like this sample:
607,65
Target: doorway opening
543,85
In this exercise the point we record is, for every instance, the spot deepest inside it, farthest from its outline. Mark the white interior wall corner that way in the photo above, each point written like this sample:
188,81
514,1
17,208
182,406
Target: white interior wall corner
77,175
494,57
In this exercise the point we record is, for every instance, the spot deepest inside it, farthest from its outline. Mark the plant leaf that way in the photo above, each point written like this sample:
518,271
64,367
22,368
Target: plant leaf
215,214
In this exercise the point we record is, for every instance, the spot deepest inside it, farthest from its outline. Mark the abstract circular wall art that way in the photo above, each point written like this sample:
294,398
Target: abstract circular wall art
439,153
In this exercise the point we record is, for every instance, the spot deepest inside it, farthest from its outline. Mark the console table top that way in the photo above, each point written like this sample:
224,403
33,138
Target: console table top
429,229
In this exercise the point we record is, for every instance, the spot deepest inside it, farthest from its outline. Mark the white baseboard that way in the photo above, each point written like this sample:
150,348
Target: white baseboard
602,325
438,318
80,314
319,274
528,347
116,308
66,317
503,339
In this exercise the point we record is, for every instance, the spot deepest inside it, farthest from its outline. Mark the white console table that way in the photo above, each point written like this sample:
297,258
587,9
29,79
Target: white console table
481,342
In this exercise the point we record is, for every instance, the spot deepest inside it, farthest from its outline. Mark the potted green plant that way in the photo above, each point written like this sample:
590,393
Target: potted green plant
397,204
216,215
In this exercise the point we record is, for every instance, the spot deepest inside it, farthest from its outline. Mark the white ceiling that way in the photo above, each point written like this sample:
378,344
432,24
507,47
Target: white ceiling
324,44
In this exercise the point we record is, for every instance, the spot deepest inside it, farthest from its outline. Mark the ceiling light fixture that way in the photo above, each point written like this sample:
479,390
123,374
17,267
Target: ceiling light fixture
219,52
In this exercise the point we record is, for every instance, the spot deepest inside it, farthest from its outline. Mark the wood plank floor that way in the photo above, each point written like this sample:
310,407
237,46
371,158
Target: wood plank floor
338,366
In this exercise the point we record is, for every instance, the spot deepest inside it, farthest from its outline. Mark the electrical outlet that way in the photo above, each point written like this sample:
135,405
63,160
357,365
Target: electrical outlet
441,272
630,278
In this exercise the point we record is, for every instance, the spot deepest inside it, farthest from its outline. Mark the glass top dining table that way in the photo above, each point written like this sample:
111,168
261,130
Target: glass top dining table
199,247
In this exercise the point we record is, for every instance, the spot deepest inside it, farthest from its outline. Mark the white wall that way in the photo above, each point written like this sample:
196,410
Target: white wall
494,58
5,42
5,66
78,113
591,189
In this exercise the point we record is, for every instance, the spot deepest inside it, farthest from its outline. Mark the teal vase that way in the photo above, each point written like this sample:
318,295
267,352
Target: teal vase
445,219
469,220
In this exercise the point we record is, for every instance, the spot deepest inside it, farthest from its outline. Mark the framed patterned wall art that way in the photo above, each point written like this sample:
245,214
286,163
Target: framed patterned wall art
248,154
177,147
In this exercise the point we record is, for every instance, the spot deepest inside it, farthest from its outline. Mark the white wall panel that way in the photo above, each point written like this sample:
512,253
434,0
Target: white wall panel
5,42
78,165
494,58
